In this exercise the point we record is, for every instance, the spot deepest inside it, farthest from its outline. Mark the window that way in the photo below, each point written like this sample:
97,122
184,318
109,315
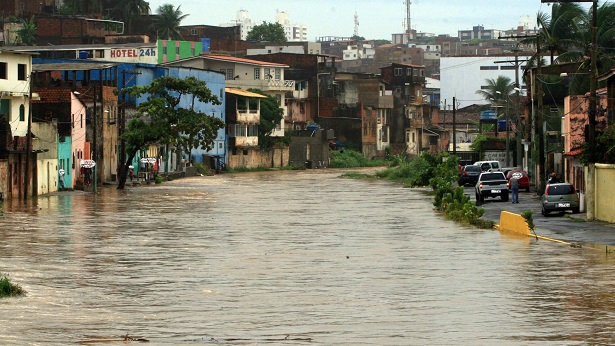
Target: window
278,73
194,32
3,74
267,73
22,113
21,71
408,71
397,71
229,74
257,73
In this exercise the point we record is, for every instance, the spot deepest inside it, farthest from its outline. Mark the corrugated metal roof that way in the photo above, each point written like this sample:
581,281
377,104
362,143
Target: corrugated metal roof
72,66
242,92
240,60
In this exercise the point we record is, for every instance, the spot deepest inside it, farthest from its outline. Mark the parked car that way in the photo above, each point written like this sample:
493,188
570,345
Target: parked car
468,175
491,184
524,178
489,166
559,197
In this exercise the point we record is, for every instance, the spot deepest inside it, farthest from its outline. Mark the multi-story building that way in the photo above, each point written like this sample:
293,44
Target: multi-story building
293,32
407,121
18,174
244,74
479,32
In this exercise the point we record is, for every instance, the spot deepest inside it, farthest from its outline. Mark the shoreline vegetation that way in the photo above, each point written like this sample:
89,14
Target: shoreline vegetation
9,289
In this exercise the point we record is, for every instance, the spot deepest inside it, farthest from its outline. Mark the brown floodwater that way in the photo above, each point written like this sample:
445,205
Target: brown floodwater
288,258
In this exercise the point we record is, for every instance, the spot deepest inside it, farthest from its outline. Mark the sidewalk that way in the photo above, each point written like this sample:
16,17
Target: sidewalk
573,228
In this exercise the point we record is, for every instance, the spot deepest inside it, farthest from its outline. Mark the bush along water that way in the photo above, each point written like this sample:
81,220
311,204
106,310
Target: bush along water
8,289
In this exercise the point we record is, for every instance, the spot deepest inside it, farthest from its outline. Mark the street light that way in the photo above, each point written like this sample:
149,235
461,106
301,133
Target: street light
507,130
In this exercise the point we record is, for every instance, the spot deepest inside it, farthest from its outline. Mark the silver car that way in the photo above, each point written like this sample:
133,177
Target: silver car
559,197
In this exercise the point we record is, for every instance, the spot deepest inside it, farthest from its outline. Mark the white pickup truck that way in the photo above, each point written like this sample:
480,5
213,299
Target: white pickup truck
491,184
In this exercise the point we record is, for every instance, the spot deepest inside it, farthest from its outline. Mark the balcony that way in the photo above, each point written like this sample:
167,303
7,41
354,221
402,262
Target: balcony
243,142
262,84
250,116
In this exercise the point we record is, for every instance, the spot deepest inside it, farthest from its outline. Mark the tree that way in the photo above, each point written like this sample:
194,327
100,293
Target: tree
27,33
131,10
271,116
162,120
267,32
497,90
168,21
558,30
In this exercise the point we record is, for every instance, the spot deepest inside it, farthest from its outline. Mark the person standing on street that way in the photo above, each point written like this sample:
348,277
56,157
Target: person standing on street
553,179
514,188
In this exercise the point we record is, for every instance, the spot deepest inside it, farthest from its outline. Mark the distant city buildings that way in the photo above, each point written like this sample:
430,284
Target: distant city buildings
293,32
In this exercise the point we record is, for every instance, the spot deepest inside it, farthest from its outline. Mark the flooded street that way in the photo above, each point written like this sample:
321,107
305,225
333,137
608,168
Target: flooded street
291,257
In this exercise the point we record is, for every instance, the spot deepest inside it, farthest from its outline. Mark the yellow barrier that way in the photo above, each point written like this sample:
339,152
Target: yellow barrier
511,222
515,223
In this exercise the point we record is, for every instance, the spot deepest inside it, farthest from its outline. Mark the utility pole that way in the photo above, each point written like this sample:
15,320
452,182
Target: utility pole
454,128
28,143
591,130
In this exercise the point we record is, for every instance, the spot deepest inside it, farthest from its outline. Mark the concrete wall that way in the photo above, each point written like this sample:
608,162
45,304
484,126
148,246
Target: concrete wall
275,158
605,188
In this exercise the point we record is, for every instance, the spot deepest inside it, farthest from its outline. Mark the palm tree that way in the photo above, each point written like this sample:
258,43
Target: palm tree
498,90
605,39
131,10
168,21
558,30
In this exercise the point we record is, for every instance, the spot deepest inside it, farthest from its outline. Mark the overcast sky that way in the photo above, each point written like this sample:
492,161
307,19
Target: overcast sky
378,19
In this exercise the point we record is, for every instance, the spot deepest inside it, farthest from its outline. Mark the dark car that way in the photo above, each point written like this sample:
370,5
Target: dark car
559,197
524,178
469,175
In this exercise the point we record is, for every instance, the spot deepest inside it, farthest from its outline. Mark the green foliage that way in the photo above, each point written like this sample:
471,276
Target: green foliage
168,21
158,179
458,207
528,215
267,32
203,169
347,158
27,33
162,118
8,289
604,150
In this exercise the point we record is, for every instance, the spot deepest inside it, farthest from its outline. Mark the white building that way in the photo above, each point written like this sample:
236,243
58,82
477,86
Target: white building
361,51
461,77
293,32
244,21
15,69
431,51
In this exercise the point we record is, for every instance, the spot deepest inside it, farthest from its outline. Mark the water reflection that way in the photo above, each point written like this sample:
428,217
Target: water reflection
288,257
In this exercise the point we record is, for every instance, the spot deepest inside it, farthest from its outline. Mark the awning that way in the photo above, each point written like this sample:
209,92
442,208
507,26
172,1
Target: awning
242,92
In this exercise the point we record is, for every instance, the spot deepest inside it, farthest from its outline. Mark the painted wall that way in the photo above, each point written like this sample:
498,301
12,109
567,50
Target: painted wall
605,183
46,162
78,150
255,158
216,83
169,50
